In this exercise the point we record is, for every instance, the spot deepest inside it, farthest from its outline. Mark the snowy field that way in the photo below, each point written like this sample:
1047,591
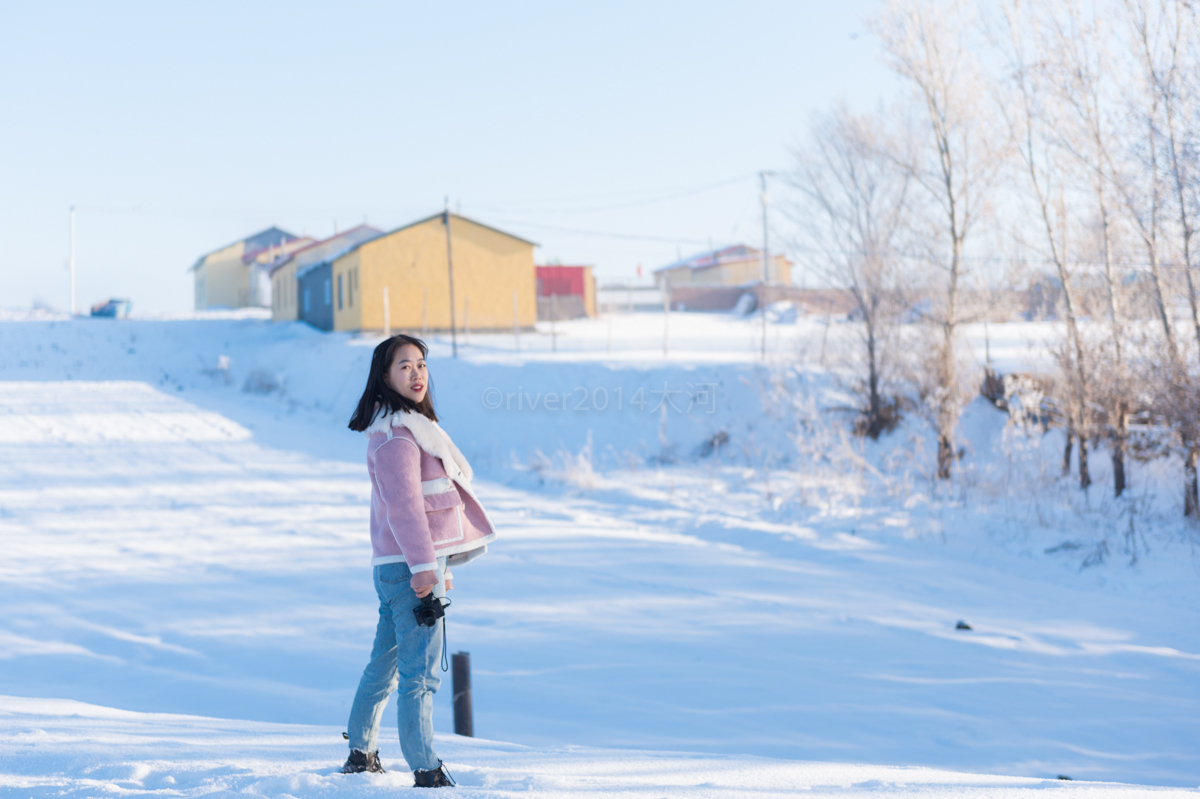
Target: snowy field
70,749
187,602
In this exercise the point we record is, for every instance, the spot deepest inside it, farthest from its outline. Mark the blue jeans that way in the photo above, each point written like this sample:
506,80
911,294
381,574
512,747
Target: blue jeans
404,656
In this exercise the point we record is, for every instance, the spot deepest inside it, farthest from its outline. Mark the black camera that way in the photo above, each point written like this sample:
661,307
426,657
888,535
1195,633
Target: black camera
430,610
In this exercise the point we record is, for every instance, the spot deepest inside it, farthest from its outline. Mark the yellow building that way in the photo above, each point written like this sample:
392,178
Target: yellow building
730,266
235,276
494,283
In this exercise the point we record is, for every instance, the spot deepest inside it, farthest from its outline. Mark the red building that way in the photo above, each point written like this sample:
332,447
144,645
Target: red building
573,289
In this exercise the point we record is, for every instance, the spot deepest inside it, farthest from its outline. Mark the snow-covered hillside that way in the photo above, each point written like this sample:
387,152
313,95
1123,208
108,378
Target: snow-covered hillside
183,520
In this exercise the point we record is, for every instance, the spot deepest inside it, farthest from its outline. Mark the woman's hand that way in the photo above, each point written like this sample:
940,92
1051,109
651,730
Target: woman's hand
424,590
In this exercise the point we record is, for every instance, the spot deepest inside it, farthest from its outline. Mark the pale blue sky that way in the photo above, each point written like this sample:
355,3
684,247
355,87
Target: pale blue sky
219,119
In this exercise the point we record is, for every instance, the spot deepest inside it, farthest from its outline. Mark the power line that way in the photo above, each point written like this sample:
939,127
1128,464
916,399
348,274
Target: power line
555,208
601,233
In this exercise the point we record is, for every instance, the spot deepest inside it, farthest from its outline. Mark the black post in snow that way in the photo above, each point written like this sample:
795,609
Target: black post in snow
461,667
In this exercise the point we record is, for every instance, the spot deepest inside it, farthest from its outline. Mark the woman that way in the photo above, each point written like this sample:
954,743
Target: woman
425,517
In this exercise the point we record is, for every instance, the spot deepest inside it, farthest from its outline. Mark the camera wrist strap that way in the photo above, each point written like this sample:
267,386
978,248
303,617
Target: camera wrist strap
445,662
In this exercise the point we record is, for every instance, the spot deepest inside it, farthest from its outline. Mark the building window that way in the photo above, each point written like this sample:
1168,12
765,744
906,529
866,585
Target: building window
328,286
350,280
339,292
307,304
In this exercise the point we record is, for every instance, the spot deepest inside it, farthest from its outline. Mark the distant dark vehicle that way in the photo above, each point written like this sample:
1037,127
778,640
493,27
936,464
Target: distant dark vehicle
112,309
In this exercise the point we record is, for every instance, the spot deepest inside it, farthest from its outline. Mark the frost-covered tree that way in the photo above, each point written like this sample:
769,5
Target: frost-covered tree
931,46
1048,178
851,209
1158,182
1079,63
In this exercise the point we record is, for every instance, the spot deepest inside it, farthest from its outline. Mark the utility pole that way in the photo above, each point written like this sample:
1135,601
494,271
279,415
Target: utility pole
450,266
71,261
666,298
762,176
516,327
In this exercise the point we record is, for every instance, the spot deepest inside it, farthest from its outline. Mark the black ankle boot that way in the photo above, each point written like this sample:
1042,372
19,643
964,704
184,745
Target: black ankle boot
433,778
363,761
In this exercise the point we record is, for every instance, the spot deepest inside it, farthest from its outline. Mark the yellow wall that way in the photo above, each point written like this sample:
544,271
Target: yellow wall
677,276
589,292
283,294
488,267
218,278
730,273
783,270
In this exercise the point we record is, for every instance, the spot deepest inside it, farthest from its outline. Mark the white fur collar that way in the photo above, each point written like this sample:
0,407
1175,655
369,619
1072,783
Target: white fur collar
430,437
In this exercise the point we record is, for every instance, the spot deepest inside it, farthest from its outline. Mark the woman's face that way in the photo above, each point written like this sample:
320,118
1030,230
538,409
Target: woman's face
408,375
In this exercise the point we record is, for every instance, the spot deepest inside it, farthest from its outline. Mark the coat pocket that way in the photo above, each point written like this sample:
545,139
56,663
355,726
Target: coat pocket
446,526
442,501
444,512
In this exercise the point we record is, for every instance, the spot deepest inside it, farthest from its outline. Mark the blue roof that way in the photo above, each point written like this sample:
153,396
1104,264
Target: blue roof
267,238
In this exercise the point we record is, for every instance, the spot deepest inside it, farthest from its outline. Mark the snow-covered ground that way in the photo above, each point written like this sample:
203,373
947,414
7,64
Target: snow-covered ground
184,533
63,748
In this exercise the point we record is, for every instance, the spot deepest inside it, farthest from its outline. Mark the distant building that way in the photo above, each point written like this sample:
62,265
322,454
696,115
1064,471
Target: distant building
573,289
287,301
236,276
614,298
736,265
716,279
494,281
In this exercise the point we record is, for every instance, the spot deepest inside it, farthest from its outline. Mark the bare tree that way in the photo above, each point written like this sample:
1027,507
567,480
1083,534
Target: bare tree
928,45
1034,123
1165,34
1080,74
1162,36
852,207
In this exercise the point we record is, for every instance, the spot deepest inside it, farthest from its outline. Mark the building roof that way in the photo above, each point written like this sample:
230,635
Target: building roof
273,252
341,246
438,215
721,255
320,249
256,243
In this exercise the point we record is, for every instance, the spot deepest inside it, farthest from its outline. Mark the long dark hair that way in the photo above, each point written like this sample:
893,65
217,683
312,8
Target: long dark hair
378,397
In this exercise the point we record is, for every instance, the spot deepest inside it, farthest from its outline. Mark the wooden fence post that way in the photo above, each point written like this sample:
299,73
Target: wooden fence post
464,724
387,315
666,298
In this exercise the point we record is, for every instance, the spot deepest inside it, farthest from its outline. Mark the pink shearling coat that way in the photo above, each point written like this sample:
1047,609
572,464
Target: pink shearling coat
422,504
